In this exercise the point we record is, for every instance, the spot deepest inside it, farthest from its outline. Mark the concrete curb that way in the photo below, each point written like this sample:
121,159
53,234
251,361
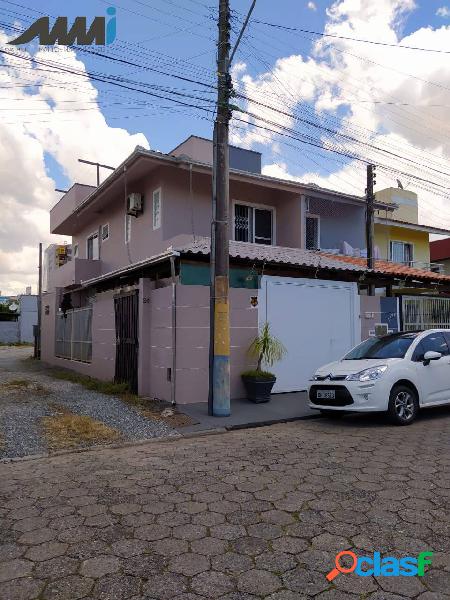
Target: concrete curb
168,439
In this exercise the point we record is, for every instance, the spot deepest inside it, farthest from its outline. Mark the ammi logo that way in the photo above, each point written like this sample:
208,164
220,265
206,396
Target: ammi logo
102,31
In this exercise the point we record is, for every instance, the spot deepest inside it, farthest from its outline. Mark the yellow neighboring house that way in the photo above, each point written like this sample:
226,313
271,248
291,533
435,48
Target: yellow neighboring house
398,235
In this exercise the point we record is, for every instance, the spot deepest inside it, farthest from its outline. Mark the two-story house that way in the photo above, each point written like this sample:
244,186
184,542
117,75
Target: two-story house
132,304
398,235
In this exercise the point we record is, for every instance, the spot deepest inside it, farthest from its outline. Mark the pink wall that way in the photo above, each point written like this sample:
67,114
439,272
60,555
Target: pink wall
63,208
160,357
193,341
145,336
103,338
183,215
73,272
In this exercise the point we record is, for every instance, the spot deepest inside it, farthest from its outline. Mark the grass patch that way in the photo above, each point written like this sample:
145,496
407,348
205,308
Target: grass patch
24,385
150,409
18,383
90,383
66,430
16,344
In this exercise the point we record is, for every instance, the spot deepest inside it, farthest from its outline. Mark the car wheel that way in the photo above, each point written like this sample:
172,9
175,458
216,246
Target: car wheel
403,405
332,414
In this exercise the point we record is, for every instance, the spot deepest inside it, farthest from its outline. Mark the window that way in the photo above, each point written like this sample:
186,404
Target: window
390,346
105,232
253,224
434,342
127,228
92,249
312,232
156,212
75,250
401,252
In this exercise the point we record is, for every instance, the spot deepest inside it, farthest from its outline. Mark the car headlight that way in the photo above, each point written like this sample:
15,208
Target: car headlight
370,374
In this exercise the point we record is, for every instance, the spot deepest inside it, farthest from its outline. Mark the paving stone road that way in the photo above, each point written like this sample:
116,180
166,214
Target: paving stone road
248,514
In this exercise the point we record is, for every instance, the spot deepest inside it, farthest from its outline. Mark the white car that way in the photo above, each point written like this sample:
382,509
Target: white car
398,373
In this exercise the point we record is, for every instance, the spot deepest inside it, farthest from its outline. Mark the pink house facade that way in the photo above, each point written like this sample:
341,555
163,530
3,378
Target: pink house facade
132,304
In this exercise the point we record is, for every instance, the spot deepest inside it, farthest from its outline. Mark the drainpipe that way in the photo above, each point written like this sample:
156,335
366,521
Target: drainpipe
173,379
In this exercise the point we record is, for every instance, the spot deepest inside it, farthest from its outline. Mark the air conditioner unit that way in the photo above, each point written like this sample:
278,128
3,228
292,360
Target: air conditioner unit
381,329
135,204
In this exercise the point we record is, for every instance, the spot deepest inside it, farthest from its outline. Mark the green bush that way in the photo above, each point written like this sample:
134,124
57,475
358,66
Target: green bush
265,349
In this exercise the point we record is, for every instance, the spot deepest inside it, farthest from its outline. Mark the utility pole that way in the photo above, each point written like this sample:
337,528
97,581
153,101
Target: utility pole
220,312
370,197
219,330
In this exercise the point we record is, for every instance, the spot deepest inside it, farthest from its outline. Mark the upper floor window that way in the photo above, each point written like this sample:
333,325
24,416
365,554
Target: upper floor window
253,224
312,232
401,252
92,248
156,209
127,228
105,232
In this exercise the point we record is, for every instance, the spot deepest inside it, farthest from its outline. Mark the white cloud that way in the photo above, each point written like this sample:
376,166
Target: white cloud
443,12
344,75
34,124
311,6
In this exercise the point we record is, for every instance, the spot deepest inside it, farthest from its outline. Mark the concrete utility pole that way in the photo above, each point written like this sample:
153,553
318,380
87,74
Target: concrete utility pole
219,401
370,196
219,331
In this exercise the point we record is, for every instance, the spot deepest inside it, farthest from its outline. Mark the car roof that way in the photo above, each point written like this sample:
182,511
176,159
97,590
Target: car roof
413,333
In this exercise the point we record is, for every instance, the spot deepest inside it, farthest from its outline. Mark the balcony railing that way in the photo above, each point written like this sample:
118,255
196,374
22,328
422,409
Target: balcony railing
74,272
420,264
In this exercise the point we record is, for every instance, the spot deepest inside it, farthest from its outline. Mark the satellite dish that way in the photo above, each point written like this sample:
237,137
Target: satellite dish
399,183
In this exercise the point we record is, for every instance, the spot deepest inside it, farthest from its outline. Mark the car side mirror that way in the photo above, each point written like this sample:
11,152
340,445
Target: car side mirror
429,356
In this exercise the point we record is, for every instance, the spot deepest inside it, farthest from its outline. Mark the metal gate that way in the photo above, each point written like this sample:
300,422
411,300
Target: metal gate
126,309
425,312
73,334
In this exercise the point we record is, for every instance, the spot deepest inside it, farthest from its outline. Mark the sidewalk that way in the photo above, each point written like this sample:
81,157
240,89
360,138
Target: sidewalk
281,408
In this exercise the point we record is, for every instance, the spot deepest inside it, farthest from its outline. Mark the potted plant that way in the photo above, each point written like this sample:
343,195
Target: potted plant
267,350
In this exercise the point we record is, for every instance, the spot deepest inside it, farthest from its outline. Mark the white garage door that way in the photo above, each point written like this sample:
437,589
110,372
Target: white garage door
317,320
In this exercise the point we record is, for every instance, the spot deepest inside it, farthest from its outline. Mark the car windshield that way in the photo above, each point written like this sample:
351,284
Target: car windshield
389,346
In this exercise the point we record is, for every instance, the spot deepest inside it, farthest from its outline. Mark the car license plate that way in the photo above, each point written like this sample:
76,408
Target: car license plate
326,394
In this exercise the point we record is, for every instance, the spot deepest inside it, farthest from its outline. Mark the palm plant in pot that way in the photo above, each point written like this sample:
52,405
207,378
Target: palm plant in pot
267,350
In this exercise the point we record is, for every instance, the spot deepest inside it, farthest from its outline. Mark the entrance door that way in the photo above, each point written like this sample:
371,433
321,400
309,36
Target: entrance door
316,320
126,310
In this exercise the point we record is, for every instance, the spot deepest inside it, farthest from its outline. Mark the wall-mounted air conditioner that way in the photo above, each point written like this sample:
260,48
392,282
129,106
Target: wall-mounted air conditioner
381,329
135,204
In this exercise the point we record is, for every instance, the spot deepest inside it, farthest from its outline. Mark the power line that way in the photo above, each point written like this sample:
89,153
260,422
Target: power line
351,39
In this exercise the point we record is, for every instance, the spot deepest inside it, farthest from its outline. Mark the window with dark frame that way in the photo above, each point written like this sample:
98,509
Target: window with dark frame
253,224
312,235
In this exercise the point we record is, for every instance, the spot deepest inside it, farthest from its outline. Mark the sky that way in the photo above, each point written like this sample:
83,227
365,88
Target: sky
314,106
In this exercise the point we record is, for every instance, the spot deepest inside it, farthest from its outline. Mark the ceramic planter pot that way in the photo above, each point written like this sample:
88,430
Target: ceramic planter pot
258,388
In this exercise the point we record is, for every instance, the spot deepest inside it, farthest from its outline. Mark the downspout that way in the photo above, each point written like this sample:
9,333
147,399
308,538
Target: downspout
173,379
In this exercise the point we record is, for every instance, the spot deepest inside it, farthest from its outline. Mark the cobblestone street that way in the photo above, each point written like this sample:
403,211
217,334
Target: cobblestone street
249,514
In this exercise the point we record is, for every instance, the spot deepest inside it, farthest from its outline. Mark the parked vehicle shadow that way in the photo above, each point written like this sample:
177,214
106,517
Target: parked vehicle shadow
352,420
